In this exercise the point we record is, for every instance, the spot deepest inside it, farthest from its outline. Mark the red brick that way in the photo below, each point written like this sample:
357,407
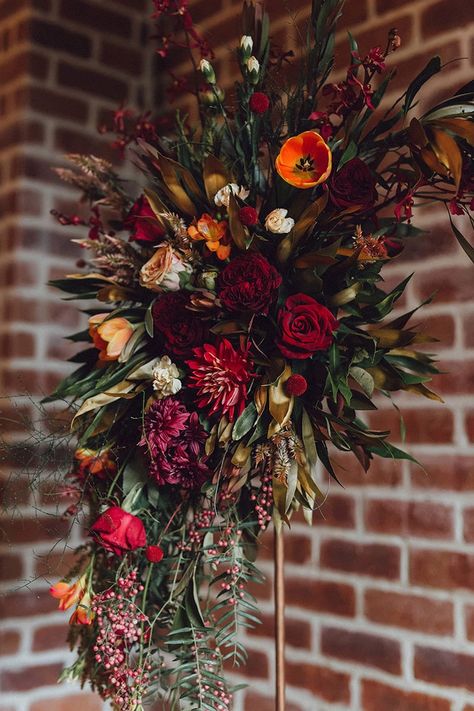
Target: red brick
54,103
409,518
374,559
32,530
24,201
21,132
92,16
11,566
257,664
470,425
469,525
442,569
17,345
377,697
468,322
324,683
414,612
297,632
28,678
368,649
83,701
450,472
263,703
72,140
9,642
321,596
443,667
59,38
423,425
298,548
125,59
337,510
54,564
21,65
469,621
382,472
49,637
444,16
457,377
91,82
440,326
453,284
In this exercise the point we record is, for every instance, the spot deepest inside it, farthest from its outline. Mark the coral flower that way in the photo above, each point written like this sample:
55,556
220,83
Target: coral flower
304,160
110,336
83,614
214,233
94,462
220,375
68,595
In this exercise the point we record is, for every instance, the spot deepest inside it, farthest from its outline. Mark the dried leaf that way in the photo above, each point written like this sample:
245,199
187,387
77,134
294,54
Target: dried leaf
280,404
448,153
215,176
239,233
304,224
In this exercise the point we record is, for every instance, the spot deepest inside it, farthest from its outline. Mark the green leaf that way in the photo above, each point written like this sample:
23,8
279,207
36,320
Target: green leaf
149,325
364,379
432,68
350,153
245,422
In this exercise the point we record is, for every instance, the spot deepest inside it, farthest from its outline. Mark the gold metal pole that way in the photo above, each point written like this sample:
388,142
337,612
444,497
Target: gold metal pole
279,589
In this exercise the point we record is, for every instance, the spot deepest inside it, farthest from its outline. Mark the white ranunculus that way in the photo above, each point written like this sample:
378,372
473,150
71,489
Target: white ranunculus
166,378
221,198
278,222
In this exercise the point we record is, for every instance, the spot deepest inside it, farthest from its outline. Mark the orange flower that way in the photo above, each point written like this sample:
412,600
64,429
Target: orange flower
68,595
83,614
97,463
304,160
214,233
109,337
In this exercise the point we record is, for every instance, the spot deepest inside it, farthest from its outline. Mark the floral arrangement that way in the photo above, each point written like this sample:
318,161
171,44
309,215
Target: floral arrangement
242,332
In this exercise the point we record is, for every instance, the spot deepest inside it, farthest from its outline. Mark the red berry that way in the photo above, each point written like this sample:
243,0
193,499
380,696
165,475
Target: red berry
154,554
296,385
259,102
248,216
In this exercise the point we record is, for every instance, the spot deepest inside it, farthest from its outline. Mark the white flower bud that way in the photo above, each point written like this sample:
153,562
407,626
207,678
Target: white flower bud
246,46
278,222
206,68
221,198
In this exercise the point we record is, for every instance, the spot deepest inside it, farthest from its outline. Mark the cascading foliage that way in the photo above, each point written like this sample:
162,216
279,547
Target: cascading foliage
238,331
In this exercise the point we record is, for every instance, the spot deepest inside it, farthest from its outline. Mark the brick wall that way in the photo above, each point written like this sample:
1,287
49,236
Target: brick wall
380,592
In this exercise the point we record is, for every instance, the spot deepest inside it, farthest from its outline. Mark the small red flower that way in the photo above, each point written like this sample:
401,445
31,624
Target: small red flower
259,102
248,216
154,554
296,385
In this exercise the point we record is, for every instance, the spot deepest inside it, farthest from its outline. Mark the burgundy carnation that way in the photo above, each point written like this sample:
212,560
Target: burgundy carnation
305,327
142,223
179,327
119,531
259,102
248,283
353,185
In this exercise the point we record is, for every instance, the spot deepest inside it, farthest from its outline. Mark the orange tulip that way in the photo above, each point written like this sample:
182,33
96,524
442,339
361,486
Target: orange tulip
304,160
83,614
111,336
214,233
68,595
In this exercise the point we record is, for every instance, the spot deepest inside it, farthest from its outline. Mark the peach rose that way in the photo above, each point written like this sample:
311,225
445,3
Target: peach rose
161,272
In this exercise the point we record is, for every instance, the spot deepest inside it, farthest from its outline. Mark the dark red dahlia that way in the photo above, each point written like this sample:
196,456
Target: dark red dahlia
179,328
221,375
142,223
165,420
248,283
259,102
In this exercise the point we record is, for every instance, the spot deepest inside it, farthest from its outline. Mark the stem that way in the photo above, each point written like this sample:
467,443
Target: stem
279,588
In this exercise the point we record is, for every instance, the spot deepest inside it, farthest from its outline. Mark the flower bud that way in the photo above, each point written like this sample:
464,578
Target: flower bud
206,68
246,46
253,69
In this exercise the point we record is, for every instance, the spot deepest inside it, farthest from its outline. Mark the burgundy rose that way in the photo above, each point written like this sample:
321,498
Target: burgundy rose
180,328
119,531
353,185
248,283
305,327
142,223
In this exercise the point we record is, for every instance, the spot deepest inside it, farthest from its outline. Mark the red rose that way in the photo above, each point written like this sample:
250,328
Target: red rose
305,327
248,216
154,554
353,185
180,329
259,102
142,223
247,283
119,531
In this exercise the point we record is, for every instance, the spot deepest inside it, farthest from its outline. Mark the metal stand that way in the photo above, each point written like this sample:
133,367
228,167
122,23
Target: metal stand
279,588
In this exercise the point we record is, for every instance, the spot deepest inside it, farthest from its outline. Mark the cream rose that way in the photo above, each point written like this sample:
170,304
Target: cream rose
166,378
161,272
278,222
